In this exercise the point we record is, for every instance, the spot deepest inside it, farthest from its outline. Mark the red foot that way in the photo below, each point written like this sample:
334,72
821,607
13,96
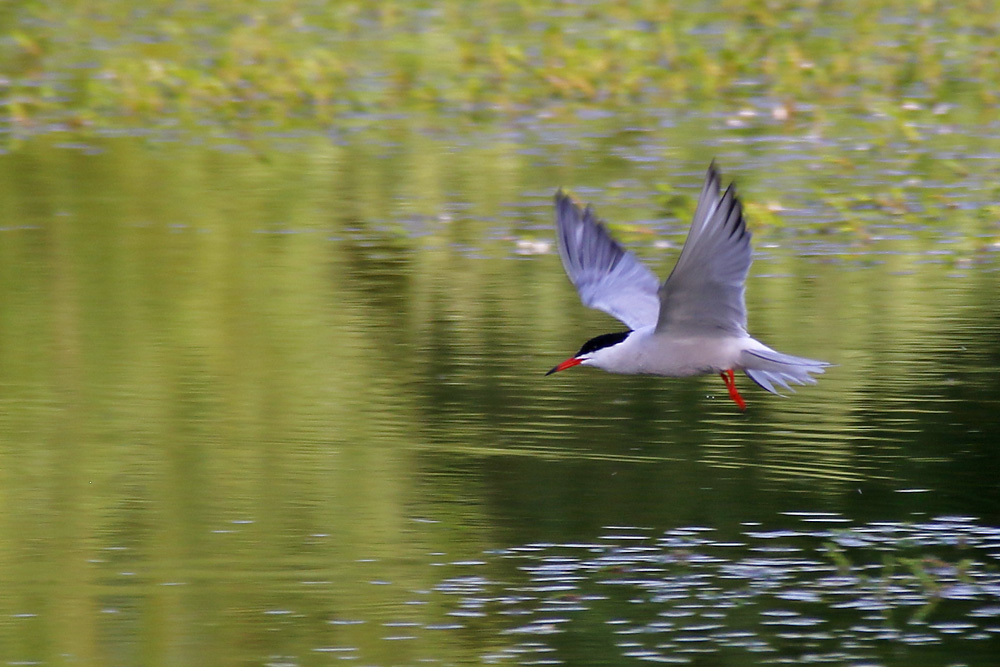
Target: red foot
730,380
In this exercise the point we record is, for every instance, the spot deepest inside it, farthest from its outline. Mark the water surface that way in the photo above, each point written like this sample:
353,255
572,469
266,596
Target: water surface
288,406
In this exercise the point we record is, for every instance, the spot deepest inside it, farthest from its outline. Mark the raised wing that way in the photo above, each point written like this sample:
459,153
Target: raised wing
608,277
704,292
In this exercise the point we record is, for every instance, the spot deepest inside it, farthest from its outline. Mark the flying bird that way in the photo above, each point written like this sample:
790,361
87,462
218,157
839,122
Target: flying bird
695,322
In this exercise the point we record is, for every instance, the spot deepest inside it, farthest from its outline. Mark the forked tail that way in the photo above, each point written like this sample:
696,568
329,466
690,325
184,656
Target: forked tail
769,368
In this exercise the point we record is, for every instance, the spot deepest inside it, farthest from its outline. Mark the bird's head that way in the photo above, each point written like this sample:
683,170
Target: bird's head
592,350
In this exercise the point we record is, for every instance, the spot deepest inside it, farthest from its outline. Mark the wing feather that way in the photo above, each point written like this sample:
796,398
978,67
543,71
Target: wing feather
606,276
705,291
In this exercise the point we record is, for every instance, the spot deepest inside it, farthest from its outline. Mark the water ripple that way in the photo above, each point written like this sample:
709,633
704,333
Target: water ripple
822,592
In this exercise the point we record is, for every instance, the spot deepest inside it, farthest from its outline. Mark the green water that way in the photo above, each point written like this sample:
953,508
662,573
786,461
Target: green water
283,402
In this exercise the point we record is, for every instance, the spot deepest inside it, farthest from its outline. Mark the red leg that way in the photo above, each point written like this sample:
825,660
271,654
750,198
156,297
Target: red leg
730,380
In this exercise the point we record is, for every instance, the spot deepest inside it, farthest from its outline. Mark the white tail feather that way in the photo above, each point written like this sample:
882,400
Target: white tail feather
767,368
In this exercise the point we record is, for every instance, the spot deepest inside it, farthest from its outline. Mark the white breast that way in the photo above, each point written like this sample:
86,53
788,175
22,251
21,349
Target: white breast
646,352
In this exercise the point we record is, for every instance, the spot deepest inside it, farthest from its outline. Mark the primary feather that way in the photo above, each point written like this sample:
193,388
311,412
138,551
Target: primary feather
607,276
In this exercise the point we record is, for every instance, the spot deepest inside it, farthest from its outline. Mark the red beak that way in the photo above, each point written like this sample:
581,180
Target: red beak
569,363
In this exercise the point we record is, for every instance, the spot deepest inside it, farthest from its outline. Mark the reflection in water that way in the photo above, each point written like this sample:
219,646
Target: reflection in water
824,591
260,412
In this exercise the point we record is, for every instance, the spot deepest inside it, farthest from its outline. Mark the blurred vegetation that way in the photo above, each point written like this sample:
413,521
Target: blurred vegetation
114,61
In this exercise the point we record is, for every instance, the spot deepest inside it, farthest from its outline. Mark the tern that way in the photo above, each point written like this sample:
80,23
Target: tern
695,322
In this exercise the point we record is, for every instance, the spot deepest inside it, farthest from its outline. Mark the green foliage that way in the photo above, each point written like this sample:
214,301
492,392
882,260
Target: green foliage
305,60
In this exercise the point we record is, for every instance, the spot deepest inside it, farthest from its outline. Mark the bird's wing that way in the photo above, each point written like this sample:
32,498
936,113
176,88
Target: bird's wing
608,277
704,293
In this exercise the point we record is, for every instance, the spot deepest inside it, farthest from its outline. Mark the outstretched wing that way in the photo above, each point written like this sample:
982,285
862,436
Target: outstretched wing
705,291
607,276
